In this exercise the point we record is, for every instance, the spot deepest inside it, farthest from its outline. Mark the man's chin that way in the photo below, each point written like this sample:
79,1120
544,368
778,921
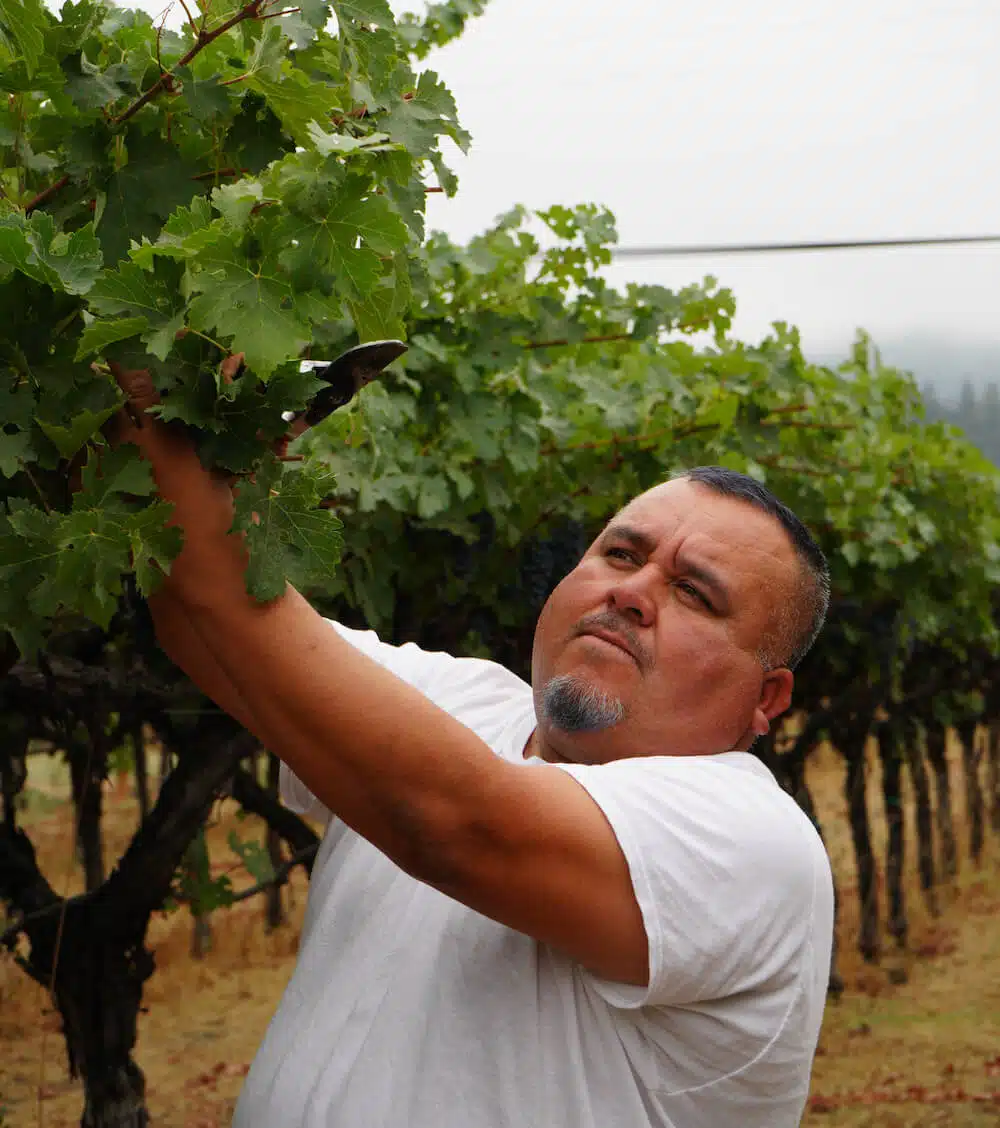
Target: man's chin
577,706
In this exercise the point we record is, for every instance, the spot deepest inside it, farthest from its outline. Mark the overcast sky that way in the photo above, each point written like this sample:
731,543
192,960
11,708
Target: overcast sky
737,121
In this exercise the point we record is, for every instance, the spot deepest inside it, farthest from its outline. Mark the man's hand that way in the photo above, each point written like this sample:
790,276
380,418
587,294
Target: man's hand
202,501
203,508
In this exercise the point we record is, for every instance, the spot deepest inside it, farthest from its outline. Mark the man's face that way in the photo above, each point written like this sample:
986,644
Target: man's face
688,588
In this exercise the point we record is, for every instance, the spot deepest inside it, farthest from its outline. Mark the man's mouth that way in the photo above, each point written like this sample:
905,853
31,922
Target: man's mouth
614,639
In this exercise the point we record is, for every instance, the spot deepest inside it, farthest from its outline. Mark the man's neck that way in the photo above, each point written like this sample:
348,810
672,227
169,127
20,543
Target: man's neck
535,749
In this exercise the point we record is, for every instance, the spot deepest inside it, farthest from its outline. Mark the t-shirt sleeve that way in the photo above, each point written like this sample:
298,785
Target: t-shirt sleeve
420,668
722,869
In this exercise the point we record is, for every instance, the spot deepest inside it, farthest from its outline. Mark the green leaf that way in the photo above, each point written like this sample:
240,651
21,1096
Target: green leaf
17,406
153,545
85,576
253,307
195,884
73,563
92,88
433,498
68,262
439,24
294,97
315,12
142,295
14,450
111,472
254,857
206,98
851,552
417,121
294,541
355,13
256,137
99,334
24,22
340,143
235,202
380,314
370,218
68,438
185,234
331,242
142,194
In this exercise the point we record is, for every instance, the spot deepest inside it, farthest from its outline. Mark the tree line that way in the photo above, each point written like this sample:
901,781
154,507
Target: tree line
976,414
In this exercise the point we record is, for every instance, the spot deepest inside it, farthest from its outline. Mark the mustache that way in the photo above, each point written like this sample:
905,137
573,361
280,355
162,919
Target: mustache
619,625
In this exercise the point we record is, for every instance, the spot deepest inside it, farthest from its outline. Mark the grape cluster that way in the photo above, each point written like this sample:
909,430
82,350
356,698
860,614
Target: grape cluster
467,555
547,558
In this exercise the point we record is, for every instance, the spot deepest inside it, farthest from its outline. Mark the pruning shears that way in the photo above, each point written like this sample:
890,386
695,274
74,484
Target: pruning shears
345,377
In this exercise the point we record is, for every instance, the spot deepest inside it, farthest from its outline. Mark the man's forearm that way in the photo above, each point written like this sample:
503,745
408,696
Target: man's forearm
184,646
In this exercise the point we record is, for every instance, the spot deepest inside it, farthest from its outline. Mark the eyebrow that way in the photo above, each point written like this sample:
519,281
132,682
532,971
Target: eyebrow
635,537
645,544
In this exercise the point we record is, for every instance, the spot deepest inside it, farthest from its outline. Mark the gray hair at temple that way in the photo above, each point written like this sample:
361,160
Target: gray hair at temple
798,626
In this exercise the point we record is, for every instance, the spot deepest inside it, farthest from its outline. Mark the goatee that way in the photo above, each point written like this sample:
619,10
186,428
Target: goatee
571,705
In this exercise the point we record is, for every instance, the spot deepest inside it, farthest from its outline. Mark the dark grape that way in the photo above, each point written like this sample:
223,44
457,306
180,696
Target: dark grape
548,558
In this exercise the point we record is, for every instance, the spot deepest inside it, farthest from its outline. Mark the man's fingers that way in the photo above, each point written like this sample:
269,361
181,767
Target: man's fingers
140,393
296,427
299,426
230,367
137,384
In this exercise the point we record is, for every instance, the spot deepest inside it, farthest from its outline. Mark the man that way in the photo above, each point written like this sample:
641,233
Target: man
581,903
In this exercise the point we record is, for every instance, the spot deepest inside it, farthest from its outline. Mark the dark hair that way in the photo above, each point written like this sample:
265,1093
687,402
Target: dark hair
800,635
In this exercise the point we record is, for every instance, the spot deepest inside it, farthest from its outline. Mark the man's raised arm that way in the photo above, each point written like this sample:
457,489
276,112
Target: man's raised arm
525,846
184,647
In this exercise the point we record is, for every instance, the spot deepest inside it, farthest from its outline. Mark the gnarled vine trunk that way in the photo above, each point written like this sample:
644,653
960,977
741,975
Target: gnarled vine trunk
935,745
924,820
851,741
891,752
89,951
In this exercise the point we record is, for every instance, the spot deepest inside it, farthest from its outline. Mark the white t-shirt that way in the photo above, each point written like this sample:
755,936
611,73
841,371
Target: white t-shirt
408,1010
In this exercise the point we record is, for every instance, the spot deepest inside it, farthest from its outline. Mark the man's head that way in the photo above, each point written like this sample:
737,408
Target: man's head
708,592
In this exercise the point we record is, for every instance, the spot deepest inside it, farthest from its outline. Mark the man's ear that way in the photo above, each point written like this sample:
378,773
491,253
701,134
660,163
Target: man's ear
775,697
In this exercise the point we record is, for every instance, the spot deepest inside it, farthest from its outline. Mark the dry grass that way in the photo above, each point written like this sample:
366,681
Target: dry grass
926,1052
918,1054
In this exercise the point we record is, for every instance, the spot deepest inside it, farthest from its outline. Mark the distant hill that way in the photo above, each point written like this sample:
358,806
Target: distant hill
939,362
977,413
960,381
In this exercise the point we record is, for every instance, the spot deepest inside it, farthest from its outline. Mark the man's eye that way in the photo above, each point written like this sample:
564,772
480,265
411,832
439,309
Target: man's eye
621,554
690,589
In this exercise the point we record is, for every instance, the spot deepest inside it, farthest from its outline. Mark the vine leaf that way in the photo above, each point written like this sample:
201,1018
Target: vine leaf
254,857
150,300
417,121
68,438
14,448
255,308
22,30
288,538
99,334
67,262
142,193
363,12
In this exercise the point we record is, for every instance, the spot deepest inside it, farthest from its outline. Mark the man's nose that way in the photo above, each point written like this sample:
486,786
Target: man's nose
631,597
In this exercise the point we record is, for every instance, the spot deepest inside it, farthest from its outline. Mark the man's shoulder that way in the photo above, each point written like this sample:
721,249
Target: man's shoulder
450,680
730,806
772,817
